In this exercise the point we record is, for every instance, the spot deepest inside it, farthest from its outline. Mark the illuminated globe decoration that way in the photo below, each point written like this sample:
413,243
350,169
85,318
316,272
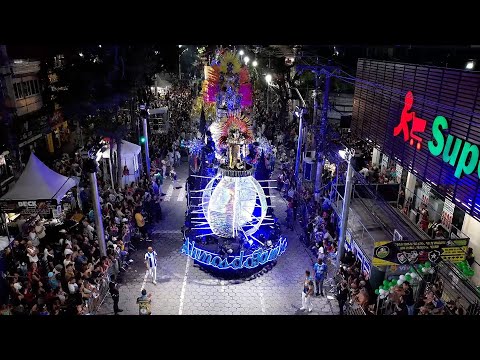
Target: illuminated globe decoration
234,205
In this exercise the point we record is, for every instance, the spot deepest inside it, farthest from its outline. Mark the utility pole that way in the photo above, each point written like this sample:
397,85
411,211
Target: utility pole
349,154
144,115
300,111
179,66
91,168
268,89
180,62
320,134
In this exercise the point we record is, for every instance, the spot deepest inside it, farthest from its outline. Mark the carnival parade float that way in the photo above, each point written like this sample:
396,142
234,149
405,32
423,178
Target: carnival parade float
230,227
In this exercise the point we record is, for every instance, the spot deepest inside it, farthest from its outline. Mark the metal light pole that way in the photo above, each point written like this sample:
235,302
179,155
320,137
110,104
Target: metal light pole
321,136
268,79
92,172
300,111
179,67
299,144
145,135
180,63
346,205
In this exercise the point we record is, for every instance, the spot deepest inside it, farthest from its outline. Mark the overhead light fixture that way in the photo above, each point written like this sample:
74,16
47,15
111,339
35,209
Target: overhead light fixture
470,65
179,46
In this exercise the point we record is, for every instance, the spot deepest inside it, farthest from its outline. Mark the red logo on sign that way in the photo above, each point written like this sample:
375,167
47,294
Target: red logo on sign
418,124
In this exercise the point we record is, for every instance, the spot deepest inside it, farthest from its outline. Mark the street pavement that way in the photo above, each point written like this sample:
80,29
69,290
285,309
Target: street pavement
185,289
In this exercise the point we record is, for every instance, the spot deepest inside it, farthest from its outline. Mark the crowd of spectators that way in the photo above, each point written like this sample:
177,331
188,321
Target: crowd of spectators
54,270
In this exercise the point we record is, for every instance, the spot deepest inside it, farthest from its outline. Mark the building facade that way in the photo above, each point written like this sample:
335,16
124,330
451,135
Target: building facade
31,125
425,120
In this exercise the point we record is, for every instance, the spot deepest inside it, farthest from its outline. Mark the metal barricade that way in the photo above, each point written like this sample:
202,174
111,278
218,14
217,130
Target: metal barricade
93,304
353,309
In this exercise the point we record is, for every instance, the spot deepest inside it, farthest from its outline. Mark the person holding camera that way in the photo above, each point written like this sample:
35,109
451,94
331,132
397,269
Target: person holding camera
144,303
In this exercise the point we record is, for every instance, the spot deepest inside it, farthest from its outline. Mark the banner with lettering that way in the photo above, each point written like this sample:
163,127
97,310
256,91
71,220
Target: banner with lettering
447,214
41,207
388,253
425,193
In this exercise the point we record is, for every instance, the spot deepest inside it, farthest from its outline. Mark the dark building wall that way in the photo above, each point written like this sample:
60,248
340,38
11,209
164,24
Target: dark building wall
378,102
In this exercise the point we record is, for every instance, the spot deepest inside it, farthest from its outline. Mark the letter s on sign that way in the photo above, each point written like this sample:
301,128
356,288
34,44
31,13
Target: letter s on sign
439,124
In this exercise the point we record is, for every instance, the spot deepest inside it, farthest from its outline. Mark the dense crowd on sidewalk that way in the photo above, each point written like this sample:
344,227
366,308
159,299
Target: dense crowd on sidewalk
62,272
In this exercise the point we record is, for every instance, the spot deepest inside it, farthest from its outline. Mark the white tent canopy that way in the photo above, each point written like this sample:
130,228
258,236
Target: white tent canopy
128,149
130,158
39,182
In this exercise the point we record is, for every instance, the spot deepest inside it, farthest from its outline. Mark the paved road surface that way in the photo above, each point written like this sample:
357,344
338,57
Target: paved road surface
185,289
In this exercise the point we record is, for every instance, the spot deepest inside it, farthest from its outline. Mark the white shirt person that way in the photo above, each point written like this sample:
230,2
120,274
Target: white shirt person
151,263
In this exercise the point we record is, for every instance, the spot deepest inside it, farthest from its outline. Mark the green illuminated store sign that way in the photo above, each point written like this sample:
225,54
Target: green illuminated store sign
459,153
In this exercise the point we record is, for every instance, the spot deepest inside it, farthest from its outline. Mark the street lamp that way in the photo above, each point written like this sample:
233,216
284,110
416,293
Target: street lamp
179,62
254,63
80,54
241,53
299,111
268,79
180,46
348,155
470,65
246,59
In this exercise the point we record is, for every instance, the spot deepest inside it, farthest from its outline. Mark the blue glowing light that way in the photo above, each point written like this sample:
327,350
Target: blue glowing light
257,258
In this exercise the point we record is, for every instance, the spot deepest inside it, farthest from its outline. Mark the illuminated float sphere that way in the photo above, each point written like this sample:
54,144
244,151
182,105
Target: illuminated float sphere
234,205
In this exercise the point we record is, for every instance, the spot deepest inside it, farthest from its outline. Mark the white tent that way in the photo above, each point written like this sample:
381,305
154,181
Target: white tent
130,157
161,84
39,182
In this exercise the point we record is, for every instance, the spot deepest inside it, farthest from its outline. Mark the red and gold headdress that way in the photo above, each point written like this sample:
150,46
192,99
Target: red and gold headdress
235,122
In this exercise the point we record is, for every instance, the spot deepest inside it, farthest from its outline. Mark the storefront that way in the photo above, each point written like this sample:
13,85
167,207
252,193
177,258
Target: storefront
424,123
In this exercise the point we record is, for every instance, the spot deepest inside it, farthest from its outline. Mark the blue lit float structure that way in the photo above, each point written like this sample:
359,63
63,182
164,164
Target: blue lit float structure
230,227
229,224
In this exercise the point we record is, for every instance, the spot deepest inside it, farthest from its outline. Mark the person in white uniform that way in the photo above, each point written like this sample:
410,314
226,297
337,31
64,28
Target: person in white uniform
151,263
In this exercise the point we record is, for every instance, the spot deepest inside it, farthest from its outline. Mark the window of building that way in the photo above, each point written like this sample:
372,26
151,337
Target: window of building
37,90
17,90
32,87
26,89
